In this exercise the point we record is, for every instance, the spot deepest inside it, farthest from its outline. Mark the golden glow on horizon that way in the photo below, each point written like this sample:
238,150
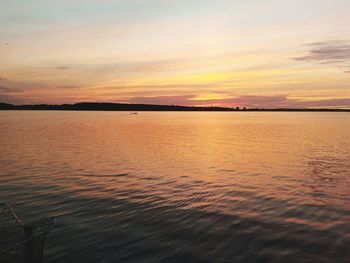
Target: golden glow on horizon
210,97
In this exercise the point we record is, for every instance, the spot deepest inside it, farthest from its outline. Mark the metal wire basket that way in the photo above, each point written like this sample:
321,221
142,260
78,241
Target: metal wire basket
20,243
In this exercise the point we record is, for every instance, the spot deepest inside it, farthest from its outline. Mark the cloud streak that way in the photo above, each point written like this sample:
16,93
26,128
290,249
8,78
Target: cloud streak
329,52
68,87
9,90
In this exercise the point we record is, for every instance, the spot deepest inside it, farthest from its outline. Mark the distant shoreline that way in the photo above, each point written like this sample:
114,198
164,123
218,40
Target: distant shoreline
92,106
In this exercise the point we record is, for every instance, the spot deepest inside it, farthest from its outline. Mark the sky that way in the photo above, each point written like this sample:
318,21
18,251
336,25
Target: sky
251,53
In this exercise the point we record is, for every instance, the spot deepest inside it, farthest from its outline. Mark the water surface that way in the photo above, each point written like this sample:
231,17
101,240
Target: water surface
182,186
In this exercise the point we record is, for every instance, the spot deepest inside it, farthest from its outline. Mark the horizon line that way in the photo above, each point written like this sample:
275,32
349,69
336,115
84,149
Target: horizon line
116,106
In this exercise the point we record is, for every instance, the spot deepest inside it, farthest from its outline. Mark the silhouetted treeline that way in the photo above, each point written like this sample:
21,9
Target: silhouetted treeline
93,106
5,106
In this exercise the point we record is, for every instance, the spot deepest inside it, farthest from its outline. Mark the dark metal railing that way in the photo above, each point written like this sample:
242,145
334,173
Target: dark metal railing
21,243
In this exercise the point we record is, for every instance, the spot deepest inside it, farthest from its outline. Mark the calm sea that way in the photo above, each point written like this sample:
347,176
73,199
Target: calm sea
181,186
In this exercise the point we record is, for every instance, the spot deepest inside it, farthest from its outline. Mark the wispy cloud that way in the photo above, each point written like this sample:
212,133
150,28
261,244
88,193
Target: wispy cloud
68,87
9,90
329,52
62,68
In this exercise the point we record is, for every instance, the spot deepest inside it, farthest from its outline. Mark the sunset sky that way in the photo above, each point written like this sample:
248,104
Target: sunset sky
253,53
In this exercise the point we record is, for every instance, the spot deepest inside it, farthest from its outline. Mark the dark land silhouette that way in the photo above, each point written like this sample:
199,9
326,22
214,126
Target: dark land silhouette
94,106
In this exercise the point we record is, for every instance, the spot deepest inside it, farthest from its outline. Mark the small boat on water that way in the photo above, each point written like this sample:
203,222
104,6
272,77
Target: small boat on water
133,113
